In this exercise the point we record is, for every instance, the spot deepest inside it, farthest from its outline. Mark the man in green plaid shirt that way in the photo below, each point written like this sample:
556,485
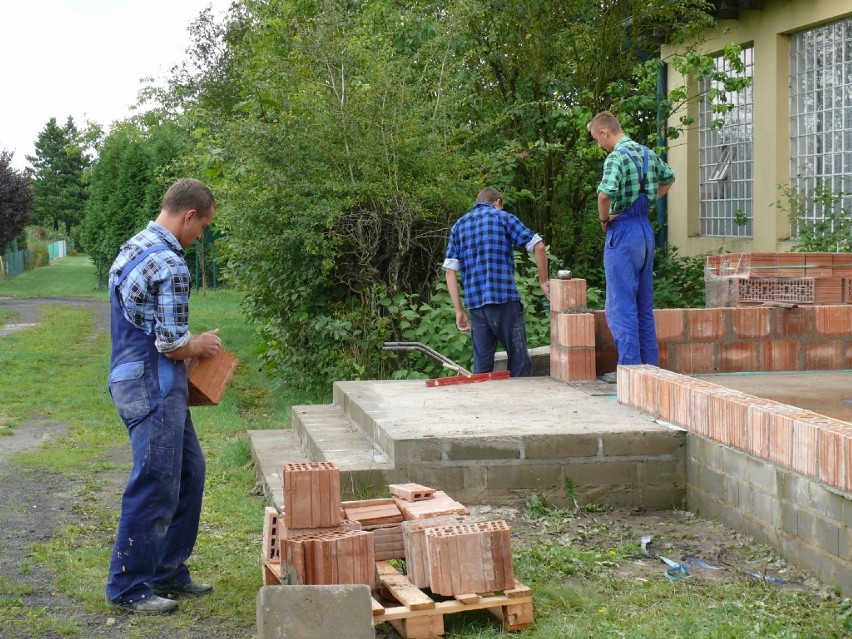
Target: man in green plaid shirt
633,174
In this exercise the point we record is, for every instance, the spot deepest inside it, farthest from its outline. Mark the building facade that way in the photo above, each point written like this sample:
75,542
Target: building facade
789,133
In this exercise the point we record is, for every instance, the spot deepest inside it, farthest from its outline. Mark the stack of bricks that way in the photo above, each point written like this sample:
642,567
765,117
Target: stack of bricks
469,558
314,541
383,518
734,279
572,332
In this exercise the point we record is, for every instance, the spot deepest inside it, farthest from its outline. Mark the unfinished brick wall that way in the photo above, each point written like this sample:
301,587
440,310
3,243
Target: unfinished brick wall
775,471
703,340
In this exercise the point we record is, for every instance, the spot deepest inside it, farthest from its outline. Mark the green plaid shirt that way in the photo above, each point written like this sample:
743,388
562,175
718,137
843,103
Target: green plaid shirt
621,179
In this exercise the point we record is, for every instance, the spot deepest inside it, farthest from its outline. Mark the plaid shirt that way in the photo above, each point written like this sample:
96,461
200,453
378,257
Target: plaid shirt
621,179
155,295
481,246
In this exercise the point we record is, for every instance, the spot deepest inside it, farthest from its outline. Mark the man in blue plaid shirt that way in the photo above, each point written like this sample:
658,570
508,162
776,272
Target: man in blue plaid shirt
633,174
481,246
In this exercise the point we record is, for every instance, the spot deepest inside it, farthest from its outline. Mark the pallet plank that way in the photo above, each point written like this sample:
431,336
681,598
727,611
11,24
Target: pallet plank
403,590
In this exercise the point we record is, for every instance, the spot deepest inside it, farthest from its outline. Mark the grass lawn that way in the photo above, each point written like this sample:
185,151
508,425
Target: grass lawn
57,371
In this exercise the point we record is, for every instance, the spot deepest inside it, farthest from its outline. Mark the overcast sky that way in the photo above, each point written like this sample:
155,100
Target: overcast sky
83,58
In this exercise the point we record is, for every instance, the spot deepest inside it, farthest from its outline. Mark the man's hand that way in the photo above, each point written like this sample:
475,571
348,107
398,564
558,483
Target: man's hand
209,343
462,321
545,288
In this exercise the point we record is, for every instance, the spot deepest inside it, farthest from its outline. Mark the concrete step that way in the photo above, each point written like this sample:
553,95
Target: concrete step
327,434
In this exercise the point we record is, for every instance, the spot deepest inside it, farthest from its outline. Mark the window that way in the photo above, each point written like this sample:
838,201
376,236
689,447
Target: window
725,155
821,114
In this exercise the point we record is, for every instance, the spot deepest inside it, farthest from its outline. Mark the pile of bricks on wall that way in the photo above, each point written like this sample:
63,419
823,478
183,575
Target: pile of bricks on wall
792,438
734,279
702,340
319,540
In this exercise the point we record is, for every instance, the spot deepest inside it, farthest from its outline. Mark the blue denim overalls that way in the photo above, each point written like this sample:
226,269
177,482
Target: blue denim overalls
629,270
161,505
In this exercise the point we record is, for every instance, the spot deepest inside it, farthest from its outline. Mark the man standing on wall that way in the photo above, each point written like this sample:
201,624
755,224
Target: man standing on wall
149,286
632,175
481,246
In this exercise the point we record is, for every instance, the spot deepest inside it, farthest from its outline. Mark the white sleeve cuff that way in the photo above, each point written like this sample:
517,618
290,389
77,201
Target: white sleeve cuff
452,264
531,244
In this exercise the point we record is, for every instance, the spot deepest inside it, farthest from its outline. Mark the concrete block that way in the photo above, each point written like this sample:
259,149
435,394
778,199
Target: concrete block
483,449
644,444
661,498
712,482
763,507
308,612
604,473
561,447
761,474
406,451
805,528
827,503
827,535
789,517
662,473
794,488
845,544
531,476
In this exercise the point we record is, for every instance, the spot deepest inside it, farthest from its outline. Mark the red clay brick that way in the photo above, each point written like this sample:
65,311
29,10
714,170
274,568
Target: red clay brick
670,324
833,460
823,355
833,320
576,329
692,358
737,357
706,323
791,322
750,322
780,355
439,504
411,492
208,377
312,495
566,295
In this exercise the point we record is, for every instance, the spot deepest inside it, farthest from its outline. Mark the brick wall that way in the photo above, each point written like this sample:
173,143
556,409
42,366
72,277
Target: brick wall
702,340
777,472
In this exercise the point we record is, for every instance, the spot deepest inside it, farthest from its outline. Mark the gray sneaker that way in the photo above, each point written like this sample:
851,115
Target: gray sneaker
151,605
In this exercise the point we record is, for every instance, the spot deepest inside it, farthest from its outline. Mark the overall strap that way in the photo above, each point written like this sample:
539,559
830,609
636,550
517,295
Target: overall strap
643,172
136,260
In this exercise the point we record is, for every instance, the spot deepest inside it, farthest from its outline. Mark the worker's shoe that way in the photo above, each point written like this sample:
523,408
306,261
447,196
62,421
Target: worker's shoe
609,378
152,605
190,589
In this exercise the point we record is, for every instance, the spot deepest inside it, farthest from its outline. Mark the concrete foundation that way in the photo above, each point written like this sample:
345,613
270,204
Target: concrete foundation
303,612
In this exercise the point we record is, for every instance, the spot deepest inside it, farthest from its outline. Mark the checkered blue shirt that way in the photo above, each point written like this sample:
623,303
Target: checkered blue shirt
155,295
481,247
621,178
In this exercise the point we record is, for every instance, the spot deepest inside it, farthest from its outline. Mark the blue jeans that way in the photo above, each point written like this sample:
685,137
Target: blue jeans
629,271
504,323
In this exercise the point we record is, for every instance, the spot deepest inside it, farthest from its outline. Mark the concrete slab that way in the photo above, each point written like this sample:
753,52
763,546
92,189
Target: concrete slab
828,393
303,612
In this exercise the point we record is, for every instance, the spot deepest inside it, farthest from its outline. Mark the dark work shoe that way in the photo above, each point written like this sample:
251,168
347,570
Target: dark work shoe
610,378
190,589
152,605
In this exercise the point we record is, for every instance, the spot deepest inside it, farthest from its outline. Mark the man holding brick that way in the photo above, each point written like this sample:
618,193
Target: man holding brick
149,286
632,175
482,246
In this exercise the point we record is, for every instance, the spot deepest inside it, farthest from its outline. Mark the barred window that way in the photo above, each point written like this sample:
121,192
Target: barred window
726,155
821,115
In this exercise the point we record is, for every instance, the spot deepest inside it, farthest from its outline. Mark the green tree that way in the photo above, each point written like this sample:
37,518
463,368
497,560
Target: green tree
16,200
60,169
135,165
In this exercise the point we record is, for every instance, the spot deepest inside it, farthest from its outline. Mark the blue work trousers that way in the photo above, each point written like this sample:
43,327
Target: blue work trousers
629,270
161,505
504,323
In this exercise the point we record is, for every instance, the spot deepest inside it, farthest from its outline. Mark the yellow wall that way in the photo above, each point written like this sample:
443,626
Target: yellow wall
768,30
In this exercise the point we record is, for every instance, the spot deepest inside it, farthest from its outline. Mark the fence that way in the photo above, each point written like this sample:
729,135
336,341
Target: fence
13,263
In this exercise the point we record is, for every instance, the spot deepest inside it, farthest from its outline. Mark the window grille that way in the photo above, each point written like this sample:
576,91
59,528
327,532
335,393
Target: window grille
821,114
726,156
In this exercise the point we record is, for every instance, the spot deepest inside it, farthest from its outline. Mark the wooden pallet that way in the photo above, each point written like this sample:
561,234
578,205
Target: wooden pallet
415,615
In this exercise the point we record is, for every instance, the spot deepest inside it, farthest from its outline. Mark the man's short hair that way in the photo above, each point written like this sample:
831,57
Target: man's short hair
186,194
605,120
489,195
